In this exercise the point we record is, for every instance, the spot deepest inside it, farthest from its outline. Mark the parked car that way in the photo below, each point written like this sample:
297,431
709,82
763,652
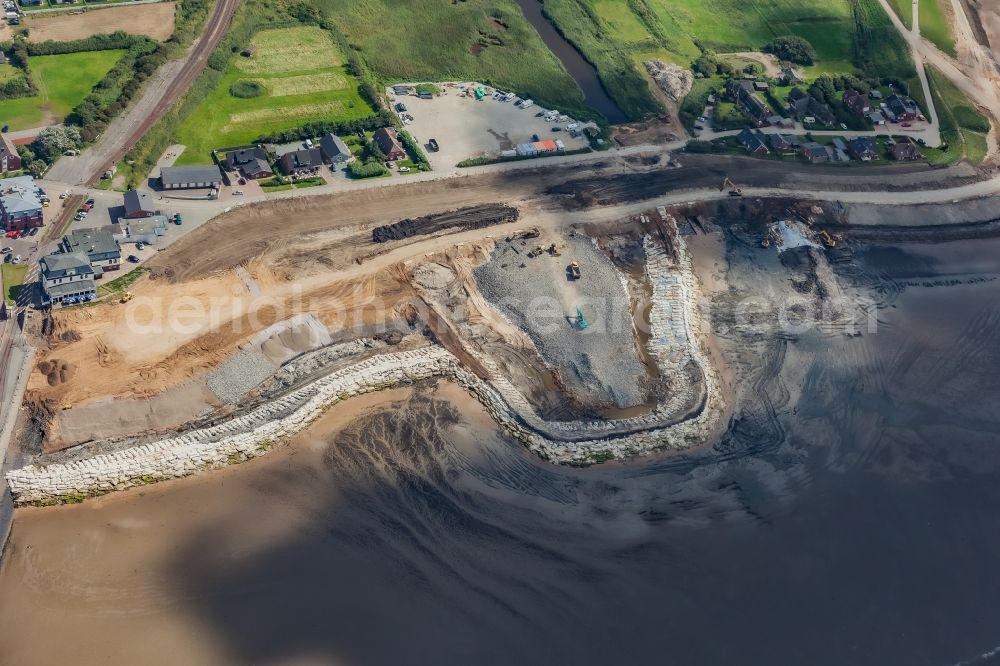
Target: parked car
139,245
238,193
34,230
404,169
14,234
557,129
16,259
6,250
64,195
133,259
7,258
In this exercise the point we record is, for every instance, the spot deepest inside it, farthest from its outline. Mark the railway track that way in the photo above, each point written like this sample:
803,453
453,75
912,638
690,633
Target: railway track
215,28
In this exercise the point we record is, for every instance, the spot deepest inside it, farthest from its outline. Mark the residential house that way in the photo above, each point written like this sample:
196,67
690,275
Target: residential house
803,105
195,177
761,86
753,107
98,245
856,103
10,160
302,162
862,148
20,204
789,77
814,152
754,142
334,150
900,109
139,204
68,278
905,150
250,163
387,140
784,143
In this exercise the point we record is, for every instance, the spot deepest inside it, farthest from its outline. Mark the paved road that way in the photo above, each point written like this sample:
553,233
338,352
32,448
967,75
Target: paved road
161,91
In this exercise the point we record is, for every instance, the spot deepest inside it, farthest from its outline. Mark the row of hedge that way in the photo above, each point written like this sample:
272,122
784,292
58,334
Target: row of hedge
113,93
338,127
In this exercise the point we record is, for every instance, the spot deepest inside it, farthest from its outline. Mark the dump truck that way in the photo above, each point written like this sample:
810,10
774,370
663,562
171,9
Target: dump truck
574,270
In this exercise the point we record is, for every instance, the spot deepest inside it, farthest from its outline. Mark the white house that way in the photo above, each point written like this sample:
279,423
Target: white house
68,278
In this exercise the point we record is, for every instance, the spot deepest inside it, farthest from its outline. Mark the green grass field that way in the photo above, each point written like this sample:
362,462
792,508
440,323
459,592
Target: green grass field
934,25
63,81
618,35
304,79
904,10
439,40
13,278
963,127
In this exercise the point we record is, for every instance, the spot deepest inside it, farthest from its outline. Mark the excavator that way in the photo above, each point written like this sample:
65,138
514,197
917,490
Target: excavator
574,270
581,321
827,238
531,232
126,297
733,190
553,250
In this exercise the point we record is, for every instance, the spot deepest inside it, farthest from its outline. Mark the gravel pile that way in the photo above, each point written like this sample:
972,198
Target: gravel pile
239,375
599,363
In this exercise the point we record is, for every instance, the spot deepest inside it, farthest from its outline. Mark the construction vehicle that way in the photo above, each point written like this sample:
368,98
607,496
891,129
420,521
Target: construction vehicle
581,321
536,252
574,270
532,232
827,238
126,297
553,250
733,190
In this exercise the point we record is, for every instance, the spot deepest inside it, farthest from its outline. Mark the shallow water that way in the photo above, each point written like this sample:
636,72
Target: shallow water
847,517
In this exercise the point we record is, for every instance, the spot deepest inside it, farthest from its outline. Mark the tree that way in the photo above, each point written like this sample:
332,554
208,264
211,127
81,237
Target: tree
792,48
52,142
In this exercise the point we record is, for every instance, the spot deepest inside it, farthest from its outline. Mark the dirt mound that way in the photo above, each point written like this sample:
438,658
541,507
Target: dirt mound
57,371
674,80
472,217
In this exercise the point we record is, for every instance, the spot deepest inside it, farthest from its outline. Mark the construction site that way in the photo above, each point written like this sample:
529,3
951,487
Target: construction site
588,325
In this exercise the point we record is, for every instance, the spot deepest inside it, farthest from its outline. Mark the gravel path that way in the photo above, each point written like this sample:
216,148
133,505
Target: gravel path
599,363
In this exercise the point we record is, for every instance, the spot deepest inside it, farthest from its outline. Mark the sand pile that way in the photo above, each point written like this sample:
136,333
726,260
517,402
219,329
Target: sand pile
57,371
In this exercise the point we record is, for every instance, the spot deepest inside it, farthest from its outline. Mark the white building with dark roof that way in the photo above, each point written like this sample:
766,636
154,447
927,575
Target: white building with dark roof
68,278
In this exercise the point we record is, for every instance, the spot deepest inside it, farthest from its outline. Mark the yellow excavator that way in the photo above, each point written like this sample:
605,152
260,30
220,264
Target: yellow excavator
733,190
126,297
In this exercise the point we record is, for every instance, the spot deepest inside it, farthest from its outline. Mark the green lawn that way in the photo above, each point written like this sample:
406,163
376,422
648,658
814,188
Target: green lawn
934,25
440,40
63,81
302,73
13,277
963,127
904,10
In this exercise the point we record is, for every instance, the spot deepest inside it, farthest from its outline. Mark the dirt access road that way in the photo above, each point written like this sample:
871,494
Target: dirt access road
160,93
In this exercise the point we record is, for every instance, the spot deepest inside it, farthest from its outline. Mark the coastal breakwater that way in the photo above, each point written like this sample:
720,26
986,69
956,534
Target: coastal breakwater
674,342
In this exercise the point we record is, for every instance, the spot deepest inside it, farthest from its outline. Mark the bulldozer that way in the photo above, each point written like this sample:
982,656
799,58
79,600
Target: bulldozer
733,190
574,270
126,297
531,232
